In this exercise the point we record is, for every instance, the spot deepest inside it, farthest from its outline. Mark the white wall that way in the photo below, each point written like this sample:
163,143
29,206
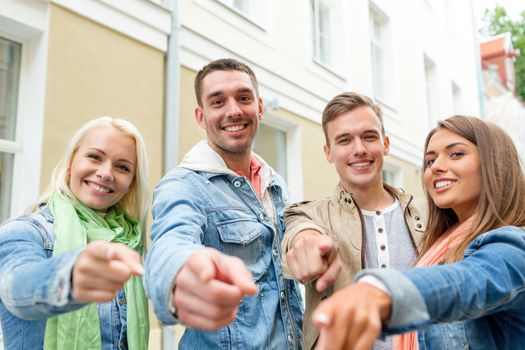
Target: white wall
279,50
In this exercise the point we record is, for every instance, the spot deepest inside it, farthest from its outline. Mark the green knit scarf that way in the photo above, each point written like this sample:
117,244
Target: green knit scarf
75,226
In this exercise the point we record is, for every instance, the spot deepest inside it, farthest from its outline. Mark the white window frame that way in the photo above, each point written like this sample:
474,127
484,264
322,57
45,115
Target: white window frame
431,90
397,173
27,23
384,77
336,49
256,11
457,98
294,174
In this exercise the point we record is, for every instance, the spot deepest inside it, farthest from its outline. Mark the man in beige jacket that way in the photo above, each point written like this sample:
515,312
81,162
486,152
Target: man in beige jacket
365,223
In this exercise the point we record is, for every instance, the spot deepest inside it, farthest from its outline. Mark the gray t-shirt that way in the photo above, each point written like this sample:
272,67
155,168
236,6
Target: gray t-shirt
388,244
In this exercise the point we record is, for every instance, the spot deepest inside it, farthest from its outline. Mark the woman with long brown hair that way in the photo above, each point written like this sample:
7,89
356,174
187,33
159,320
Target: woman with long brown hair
468,290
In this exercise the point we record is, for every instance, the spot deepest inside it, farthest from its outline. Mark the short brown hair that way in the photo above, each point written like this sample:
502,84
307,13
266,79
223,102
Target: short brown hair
223,64
346,102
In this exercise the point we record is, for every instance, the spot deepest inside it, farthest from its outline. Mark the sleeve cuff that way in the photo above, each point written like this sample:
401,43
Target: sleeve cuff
408,306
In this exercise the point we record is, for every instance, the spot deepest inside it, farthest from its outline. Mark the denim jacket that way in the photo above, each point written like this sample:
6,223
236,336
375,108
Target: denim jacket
477,303
201,203
34,286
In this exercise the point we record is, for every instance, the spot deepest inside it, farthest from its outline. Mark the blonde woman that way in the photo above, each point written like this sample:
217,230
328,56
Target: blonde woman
468,291
71,267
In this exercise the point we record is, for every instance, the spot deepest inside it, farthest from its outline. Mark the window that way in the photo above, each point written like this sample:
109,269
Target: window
326,28
382,58
10,59
278,143
431,90
392,175
378,56
270,144
322,36
450,15
252,9
456,99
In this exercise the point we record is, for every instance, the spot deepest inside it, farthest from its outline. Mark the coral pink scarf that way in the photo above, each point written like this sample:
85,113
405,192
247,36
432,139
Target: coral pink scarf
434,256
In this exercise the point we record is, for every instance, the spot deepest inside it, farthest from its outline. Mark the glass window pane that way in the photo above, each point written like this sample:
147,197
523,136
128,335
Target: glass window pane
243,6
6,181
10,53
270,144
324,33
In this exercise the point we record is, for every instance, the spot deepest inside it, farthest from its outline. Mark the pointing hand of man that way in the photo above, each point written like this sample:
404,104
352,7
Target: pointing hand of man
314,256
209,288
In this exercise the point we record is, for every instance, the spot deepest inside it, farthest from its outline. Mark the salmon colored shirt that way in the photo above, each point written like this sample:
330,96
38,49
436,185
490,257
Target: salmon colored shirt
255,178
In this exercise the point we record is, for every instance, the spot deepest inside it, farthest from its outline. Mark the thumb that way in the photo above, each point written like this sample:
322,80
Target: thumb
233,271
207,268
329,276
126,255
327,247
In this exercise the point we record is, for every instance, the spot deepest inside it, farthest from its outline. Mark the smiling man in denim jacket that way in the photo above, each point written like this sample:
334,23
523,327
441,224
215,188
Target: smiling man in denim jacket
214,264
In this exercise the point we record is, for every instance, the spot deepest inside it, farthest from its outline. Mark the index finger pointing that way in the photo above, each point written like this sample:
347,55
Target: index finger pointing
126,255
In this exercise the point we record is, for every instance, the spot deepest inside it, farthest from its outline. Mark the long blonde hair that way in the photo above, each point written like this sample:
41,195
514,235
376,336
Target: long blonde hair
136,201
501,199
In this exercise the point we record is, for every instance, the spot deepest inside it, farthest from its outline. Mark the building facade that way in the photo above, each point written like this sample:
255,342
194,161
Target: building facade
63,62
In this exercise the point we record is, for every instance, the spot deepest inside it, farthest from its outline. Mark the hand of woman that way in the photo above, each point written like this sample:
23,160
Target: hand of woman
351,318
101,269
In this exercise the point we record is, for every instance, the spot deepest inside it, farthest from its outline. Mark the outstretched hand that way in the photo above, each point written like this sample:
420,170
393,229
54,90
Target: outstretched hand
352,317
209,288
314,256
101,270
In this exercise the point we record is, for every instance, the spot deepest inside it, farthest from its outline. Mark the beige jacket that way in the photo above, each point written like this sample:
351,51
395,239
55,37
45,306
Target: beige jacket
340,218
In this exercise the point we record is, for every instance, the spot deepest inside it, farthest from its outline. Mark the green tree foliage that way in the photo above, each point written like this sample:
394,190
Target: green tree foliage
497,21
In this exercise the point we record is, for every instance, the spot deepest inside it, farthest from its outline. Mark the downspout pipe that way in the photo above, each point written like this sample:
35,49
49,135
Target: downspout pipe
172,118
172,91
477,58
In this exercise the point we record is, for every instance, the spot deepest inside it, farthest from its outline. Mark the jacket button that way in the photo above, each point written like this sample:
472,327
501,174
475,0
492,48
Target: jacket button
418,226
383,247
378,212
383,266
417,218
237,184
380,230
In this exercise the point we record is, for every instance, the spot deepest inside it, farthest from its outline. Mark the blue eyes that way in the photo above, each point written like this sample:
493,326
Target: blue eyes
98,158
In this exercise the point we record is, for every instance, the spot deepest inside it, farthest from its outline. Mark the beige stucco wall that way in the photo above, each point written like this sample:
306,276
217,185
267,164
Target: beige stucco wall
190,131
95,71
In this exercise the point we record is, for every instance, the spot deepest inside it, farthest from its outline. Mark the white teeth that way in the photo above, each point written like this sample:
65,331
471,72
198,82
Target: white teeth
234,128
98,188
441,184
360,164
